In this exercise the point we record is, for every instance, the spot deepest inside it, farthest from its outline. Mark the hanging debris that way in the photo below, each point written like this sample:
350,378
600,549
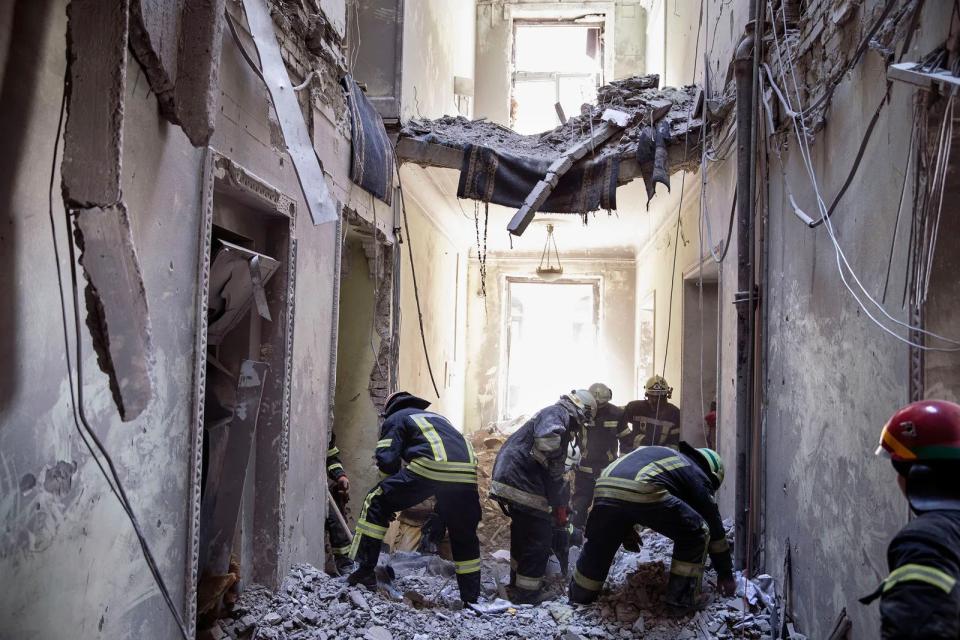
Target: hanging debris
504,167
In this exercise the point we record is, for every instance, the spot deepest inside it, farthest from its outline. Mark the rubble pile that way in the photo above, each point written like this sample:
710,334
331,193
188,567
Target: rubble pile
638,96
422,602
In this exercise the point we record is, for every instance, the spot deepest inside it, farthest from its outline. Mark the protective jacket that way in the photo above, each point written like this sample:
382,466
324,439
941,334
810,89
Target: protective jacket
652,475
921,598
334,466
529,470
598,441
648,423
426,441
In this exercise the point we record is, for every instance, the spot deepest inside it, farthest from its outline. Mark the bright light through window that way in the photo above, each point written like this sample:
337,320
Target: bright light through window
552,343
554,63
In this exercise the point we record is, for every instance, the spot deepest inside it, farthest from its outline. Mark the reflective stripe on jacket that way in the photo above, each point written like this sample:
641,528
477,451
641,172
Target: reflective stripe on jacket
429,444
650,474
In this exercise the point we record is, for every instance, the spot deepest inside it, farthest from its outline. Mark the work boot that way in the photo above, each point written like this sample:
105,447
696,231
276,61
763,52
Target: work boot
683,596
526,596
344,564
469,585
363,576
579,595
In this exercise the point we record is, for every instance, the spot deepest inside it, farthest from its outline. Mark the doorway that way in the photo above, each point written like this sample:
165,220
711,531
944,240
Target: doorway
552,338
699,351
242,395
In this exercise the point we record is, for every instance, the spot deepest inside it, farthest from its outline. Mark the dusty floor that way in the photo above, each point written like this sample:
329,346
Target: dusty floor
423,603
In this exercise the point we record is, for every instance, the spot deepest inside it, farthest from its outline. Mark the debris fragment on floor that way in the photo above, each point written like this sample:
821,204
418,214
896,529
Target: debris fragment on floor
422,602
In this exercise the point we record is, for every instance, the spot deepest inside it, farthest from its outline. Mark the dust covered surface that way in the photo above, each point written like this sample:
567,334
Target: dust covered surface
422,603
637,96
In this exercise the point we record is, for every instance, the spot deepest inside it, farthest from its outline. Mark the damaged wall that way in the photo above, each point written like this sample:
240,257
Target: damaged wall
484,344
440,263
65,541
495,46
355,416
66,544
832,377
441,32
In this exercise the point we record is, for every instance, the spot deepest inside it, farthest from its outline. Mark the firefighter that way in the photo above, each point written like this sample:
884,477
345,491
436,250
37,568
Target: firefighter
530,485
599,447
440,463
339,485
671,492
651,421
920,598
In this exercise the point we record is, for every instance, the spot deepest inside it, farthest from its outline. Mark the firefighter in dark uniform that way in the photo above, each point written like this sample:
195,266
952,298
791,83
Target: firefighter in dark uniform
439,462
339,485
653,421
920,597
598,447
671,492
530,485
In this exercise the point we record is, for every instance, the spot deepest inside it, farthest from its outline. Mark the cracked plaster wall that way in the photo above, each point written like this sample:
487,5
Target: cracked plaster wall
64,541
832,377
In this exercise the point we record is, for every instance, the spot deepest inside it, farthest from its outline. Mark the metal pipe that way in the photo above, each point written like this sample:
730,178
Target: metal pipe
744,298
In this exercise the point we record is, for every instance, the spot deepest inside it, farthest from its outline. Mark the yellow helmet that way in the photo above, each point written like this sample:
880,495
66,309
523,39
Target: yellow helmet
657,386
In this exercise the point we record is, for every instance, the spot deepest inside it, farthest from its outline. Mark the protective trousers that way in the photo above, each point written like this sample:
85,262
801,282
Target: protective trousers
339,540
531,537
583,485
458,505
611,520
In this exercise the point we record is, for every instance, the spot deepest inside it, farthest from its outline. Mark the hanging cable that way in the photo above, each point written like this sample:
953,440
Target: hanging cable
87,434
843,266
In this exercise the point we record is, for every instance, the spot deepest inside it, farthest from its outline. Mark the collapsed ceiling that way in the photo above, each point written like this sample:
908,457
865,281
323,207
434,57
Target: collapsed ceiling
652,133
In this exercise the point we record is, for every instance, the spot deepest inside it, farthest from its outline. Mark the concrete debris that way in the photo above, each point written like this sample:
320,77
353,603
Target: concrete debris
310,605
638,97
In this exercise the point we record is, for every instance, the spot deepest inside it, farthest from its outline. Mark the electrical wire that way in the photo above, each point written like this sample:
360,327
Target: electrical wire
83,428
802,132
243,50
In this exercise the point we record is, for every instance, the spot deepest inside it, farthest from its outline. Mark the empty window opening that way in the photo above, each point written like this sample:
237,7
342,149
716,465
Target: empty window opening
554,62
551,342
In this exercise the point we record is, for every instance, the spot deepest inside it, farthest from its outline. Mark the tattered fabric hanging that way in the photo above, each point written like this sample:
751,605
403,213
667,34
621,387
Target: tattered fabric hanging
502,178
653,158
372,160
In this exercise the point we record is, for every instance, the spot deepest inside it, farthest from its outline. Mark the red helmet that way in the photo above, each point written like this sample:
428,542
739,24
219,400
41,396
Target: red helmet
925,430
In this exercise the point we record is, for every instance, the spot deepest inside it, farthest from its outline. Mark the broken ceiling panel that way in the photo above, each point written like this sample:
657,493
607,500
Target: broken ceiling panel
666,117
323,208
177,42
97,74
117,313
116,302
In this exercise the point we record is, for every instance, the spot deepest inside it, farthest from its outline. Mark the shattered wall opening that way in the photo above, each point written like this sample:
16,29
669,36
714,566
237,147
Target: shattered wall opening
244,361
364,347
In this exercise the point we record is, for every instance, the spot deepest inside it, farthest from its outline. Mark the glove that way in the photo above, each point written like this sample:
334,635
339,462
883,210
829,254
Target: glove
560,516
632,541
343,487
726,585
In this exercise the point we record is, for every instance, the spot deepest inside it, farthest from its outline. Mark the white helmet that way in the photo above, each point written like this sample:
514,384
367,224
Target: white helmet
584,401
601,392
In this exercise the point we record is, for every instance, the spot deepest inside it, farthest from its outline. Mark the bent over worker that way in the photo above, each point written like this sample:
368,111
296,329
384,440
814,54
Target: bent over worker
440,463
530,486
599,447
653,421
921,598
339,485
671,492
